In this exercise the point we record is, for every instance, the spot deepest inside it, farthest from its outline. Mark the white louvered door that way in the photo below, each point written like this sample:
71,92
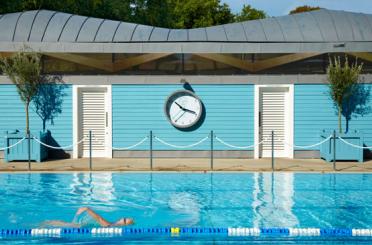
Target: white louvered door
93,117
273,103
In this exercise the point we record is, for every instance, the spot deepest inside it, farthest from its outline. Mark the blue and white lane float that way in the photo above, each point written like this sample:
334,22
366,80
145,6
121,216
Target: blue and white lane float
179,231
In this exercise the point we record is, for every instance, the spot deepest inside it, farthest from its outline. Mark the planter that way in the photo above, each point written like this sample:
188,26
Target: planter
20,151
344,152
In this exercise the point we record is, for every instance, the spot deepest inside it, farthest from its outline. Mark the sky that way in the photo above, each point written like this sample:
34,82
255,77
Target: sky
282,7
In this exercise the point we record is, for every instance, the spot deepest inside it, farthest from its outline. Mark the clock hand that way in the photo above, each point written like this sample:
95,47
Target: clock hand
183,108
177,114
193,112
180,106
180,116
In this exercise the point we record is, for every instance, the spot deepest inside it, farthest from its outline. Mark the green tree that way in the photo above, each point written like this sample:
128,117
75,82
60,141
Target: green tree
343,80
24,70
249,13
304,8
162,13
108,9
196,13
223,15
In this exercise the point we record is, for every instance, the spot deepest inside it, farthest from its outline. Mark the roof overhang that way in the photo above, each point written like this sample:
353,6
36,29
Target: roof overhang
189,47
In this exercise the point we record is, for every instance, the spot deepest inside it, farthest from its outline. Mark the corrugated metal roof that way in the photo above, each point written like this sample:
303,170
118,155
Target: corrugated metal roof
316,26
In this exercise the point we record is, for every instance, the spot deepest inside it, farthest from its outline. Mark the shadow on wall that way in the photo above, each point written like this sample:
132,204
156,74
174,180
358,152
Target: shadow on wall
48,105
356,106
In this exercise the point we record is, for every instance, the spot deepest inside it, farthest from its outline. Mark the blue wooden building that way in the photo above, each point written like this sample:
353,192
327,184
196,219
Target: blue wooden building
121,80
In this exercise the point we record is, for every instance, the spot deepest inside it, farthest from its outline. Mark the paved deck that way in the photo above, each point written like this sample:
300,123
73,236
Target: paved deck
189,164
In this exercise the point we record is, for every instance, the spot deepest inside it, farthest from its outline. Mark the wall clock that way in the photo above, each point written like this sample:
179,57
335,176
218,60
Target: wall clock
183,109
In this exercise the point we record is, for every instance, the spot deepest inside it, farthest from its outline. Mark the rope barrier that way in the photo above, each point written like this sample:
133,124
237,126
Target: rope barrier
11,146
356,146
181,146
60,147
307,146
173,232
239,147
121,148
132,146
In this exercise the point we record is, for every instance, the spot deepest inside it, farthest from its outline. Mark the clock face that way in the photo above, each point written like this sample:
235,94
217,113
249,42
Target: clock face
183,109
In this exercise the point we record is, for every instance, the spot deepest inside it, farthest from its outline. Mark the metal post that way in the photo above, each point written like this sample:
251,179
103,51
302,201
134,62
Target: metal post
212,136
272,150
90,150
151,149
334,150
29,149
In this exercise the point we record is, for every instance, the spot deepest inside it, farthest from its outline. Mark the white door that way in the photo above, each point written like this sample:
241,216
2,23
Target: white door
93,116
273,118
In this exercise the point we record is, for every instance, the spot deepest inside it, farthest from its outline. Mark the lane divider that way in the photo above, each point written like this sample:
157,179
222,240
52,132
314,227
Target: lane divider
180,231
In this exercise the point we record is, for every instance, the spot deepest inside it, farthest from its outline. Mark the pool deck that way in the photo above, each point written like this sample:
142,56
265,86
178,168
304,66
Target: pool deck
189,164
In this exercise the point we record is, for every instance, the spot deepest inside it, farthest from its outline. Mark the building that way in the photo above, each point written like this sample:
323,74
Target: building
251,77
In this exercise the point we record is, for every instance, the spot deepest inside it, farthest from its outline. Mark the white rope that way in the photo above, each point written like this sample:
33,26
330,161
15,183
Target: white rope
356,146
239,147
61,147
307,146
132,146
8,147
181,146
119,148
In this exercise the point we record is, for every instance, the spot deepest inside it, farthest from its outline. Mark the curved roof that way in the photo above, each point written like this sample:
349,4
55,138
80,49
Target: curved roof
316,26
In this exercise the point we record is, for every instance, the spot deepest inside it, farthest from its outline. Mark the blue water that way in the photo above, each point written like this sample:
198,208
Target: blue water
191,200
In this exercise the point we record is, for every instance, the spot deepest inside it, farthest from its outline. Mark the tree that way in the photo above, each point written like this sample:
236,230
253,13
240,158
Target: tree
249,13
343,81
24,70
107,9
196,13
154,13
304,8
162,13
223,15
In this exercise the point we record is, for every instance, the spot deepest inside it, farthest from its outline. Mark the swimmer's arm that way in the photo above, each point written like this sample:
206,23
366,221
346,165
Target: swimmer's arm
94,215
59,223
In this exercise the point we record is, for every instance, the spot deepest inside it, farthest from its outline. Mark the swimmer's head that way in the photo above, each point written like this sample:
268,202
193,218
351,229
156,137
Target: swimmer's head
124,221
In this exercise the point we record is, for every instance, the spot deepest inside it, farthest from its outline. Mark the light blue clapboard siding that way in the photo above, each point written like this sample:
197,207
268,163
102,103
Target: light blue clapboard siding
12,115
314,111
137,109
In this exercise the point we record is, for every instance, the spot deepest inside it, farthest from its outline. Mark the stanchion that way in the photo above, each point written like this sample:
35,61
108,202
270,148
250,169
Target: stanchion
272,150
151,149
90,150
334,150
212,136
29,149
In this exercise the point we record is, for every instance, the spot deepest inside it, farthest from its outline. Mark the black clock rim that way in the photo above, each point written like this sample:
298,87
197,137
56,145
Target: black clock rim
167,113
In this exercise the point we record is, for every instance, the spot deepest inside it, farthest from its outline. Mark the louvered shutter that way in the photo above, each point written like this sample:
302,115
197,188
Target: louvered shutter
273,119
93,117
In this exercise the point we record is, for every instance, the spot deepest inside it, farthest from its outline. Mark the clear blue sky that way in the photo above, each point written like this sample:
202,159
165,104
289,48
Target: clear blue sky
282,7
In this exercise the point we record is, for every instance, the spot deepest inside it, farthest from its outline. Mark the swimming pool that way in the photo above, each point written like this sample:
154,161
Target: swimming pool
211,200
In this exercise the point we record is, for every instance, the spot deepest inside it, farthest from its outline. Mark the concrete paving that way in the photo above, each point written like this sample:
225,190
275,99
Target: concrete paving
187,164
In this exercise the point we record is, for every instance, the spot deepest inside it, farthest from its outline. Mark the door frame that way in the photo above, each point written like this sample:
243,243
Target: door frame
75,117
289,115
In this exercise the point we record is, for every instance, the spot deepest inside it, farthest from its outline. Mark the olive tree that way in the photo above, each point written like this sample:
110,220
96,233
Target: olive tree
24,70
343,81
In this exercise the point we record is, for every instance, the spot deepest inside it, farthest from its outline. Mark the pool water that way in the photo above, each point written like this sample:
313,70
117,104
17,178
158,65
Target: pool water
191,199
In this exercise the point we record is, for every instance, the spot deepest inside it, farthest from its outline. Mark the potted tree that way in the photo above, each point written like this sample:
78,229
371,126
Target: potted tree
343,82
24,70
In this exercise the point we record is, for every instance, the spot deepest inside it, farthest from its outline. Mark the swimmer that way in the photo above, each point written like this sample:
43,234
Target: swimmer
94,219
